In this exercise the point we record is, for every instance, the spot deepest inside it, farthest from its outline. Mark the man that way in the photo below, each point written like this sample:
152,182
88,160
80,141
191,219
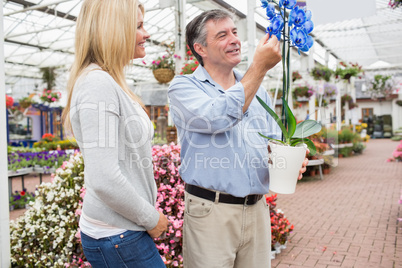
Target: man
224,159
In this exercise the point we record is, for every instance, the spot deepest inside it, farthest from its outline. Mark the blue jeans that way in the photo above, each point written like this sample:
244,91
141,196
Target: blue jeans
129,249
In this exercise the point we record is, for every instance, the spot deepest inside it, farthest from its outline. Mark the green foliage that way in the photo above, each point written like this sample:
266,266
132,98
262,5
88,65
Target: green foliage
25,102
279,95
346,151
358,147
52,145
347,71
294,134
49,76
322,73
19,199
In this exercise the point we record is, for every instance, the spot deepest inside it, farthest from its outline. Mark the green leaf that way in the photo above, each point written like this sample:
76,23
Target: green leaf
306,128
290,118
275,116
308,142
270,138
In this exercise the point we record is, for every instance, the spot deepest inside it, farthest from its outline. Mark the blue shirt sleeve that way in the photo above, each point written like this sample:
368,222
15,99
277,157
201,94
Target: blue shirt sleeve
200,106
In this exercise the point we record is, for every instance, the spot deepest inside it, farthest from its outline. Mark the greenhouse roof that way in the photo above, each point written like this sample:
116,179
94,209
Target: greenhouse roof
40,33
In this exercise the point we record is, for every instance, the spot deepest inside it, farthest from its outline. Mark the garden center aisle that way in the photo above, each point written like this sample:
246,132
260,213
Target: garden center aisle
350,219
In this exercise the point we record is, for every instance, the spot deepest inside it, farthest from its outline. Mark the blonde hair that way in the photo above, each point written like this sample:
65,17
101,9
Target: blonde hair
105,34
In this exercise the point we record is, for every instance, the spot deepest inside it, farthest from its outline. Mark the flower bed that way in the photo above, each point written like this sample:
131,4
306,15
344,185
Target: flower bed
46,160
20,199
280,226
48,235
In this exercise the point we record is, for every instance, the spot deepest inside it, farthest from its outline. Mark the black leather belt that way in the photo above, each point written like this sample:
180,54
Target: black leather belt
223,198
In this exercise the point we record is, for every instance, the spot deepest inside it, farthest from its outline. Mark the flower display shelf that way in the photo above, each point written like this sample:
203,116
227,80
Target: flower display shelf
42,170
319,163
20,172
342,145
163,75
329,152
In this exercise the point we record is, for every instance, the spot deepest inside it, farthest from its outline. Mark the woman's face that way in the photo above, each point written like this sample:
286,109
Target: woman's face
141,37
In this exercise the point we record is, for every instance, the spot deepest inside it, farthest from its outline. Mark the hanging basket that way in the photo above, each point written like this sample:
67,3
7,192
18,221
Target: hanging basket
163,75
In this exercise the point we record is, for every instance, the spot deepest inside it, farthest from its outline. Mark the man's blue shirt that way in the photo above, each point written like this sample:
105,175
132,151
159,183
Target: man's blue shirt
220,146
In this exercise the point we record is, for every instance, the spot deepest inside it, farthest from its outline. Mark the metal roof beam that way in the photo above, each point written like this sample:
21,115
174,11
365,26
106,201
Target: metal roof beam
38,47
40,31
42,8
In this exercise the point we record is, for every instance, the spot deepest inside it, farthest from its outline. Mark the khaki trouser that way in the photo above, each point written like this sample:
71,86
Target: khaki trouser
226,235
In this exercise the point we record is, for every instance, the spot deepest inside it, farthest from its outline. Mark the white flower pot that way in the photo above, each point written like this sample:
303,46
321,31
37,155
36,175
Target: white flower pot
284,170
277,248
273,253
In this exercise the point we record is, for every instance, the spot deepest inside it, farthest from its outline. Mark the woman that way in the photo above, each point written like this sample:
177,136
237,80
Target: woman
113,131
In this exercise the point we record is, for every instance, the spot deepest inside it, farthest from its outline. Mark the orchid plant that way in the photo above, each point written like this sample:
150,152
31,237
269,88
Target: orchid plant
293,25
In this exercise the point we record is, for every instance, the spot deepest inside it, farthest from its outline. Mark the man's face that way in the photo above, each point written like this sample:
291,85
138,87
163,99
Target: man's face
223,44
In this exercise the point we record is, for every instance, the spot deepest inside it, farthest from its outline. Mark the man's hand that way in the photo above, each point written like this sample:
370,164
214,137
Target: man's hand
304,166
267,53
160,227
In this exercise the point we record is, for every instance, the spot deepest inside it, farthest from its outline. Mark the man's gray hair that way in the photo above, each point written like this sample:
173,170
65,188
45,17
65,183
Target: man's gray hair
196,30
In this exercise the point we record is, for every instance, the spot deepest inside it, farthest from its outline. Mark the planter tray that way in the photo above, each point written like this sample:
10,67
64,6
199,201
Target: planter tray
329,152
315,162
342,145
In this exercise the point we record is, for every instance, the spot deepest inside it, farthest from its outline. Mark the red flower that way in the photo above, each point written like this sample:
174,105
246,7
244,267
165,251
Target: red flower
9,101
22,193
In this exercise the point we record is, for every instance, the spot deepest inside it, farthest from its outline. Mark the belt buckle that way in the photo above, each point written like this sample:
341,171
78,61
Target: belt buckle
246,201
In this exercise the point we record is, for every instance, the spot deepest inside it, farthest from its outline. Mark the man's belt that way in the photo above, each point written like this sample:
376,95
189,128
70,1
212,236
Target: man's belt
223,198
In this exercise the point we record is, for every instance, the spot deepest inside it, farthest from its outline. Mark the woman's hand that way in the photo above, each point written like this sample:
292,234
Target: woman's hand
160,227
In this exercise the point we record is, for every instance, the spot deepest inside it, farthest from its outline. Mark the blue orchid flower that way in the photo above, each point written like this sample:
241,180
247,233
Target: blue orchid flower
308,26
264,3
289,4
292,16
270,10
309,43
300,18
276,26
298,37
309,14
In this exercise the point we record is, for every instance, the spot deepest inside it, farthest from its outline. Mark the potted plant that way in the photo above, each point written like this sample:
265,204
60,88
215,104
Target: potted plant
191,63
190,66
380,86
163,69
279,94
9,102
322,73
303,91
21,199
25,102
288,154
296,76
164,66
330,90
394,3
346,71
280,226
49,96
